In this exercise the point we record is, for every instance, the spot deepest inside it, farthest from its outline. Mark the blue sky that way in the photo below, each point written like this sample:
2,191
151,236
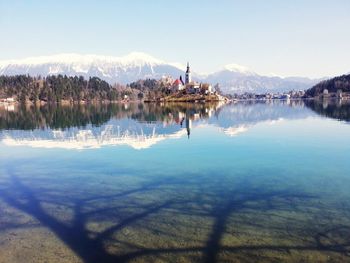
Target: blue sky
288,38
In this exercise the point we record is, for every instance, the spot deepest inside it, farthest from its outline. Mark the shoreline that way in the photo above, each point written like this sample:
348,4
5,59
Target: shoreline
161,100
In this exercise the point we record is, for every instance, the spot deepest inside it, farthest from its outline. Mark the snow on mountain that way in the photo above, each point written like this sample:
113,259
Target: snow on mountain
125,69
239,69
235,78
113,133
133,59
232,78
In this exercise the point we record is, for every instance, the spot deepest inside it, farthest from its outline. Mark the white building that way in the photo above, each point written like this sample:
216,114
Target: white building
193,88
177,85
339,94
9,100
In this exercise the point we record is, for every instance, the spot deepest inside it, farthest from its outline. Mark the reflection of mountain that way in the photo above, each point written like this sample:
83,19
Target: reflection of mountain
79,127
143,125
246,114
113,133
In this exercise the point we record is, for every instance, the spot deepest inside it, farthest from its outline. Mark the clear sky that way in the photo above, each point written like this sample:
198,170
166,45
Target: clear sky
288,38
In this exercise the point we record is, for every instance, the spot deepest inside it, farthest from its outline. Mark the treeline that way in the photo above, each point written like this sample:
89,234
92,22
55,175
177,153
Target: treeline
332,85
56,88
61,87
150,88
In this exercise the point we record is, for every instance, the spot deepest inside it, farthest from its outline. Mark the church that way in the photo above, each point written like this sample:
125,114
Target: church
190,86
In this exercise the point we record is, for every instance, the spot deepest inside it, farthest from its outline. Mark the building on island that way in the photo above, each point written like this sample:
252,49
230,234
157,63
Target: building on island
191,87
206,88
178,85
188,78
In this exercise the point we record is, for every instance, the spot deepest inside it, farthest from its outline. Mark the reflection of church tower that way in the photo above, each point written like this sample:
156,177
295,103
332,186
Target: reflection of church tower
188,74
188,127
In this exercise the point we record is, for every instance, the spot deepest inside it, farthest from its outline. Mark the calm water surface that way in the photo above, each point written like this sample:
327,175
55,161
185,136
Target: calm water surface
245,182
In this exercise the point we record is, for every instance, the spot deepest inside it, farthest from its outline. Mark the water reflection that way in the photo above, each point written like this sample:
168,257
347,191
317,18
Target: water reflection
264,196
338,109
143,125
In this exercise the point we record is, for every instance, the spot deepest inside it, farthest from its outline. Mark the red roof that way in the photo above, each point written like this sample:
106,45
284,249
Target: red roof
177,82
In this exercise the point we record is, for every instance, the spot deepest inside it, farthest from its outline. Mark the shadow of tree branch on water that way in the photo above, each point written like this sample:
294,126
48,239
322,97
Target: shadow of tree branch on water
91,246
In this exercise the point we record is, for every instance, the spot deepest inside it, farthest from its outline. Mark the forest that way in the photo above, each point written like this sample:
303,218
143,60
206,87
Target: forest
25,88
332,85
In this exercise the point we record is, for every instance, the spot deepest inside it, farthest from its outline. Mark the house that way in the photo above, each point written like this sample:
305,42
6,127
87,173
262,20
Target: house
206,88
9,100
339,94
193,88
285,97
178,85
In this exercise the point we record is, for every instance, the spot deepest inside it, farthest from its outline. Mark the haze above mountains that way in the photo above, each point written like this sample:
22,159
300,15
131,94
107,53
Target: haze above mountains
232,78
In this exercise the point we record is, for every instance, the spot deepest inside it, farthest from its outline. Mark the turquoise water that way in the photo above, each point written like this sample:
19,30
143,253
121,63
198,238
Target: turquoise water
244,182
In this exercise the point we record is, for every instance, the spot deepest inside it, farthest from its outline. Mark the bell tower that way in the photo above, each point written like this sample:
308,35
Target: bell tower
188,74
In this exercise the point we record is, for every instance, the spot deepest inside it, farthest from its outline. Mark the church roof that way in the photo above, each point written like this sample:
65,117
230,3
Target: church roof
177,82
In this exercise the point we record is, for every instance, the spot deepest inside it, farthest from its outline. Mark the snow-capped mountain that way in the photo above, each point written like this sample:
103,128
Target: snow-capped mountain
232,78
125,69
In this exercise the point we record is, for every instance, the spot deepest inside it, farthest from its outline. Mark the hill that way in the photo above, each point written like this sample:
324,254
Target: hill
332,85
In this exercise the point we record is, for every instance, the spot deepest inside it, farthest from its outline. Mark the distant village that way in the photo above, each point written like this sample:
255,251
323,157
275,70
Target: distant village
292,95
269,96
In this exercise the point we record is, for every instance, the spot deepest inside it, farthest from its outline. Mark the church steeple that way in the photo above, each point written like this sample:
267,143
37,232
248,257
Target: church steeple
188,74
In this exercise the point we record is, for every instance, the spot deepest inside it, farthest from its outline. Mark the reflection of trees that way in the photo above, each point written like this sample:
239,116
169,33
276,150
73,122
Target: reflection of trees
124,209
335,109
55,116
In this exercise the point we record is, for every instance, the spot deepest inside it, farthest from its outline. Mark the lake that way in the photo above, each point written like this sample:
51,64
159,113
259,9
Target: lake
241,182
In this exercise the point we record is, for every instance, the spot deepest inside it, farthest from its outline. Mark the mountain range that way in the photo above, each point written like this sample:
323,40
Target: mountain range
232,78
